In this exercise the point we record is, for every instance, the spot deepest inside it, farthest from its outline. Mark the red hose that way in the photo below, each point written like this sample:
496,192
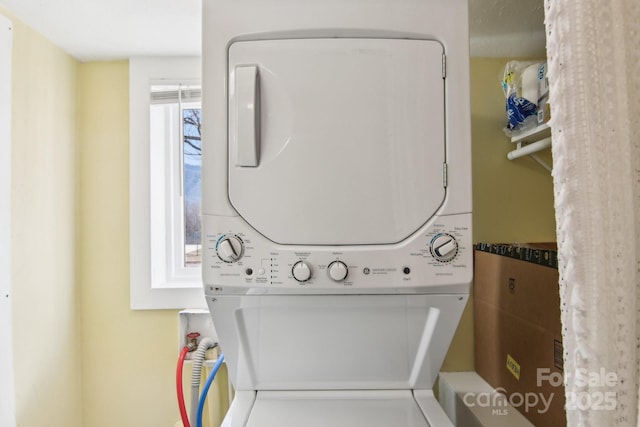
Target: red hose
183,409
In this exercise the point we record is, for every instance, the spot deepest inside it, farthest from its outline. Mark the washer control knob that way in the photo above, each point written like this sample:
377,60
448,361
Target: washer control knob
443,247
301,271
338,271
230,248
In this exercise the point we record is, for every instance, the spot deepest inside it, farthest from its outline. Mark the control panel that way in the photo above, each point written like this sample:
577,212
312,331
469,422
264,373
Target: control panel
238,260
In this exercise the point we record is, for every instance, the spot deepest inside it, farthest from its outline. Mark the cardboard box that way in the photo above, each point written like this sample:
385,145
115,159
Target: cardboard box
518,341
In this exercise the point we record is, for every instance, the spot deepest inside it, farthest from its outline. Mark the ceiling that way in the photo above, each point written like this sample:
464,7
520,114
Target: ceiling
115,29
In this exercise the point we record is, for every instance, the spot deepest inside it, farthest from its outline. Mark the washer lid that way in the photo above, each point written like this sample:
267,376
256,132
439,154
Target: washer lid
336,409
336,141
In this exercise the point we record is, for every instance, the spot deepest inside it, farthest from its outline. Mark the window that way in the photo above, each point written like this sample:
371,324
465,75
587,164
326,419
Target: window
191,184
165,158
175,150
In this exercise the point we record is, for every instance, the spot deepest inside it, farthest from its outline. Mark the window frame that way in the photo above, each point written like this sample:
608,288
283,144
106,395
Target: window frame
149,287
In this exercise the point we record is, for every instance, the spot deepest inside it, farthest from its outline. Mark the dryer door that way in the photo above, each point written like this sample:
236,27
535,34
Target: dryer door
336,141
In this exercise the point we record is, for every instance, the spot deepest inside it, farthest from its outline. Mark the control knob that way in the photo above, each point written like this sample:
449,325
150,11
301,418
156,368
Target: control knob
443,247
301,271
338,271
230,248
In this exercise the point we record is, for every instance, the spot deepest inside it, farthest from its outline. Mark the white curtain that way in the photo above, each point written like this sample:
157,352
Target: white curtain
593,49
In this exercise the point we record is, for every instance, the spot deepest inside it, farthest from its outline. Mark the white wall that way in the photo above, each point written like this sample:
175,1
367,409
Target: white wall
7,397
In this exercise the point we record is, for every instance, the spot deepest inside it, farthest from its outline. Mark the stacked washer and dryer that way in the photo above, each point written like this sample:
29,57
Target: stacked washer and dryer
336,205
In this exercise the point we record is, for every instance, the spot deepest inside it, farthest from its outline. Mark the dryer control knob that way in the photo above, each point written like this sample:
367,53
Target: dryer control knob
230,248
443,247
301,271
338,271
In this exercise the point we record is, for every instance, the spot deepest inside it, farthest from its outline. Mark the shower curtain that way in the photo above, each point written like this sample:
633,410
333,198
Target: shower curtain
593,50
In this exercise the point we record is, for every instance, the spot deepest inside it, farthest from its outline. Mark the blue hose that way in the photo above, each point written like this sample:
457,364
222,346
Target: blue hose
205,390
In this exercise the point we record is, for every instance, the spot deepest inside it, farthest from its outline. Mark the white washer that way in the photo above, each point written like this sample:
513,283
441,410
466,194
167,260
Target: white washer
336,205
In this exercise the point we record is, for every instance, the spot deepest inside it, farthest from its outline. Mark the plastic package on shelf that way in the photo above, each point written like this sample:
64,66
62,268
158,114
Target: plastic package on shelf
520,83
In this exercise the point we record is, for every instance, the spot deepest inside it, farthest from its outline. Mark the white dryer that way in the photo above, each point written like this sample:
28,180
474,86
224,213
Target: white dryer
336,205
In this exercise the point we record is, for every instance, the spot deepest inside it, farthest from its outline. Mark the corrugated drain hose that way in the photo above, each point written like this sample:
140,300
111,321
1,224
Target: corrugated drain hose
196,374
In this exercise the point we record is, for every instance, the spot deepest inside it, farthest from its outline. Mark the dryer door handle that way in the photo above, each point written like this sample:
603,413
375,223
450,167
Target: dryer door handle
246,107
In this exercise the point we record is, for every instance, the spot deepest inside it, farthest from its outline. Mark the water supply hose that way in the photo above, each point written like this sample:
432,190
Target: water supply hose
205,390
179,391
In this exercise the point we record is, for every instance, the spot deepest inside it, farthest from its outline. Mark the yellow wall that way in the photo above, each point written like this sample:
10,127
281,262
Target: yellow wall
46,320
512,200
129,356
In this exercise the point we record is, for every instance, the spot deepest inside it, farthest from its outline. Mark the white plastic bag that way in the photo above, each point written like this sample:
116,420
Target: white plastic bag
519,83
